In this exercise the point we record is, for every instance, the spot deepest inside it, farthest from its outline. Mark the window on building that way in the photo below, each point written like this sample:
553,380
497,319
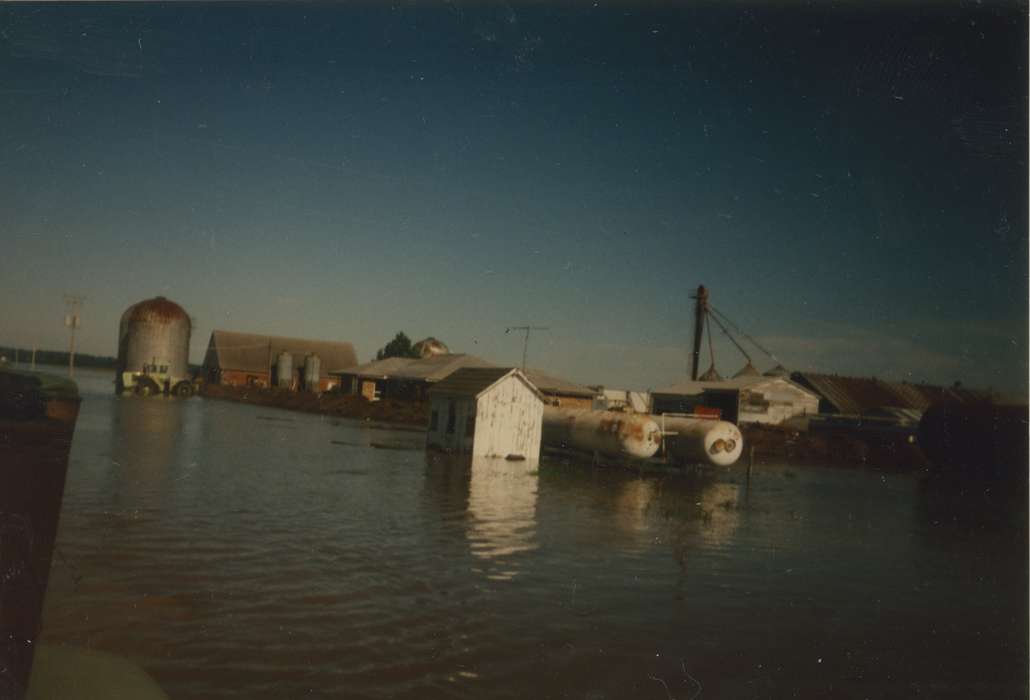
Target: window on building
450,418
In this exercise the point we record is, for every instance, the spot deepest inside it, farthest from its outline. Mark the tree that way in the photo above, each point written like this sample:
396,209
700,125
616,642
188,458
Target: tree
400,346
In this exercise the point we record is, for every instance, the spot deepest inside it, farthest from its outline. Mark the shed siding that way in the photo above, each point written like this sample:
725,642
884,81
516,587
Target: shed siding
509,419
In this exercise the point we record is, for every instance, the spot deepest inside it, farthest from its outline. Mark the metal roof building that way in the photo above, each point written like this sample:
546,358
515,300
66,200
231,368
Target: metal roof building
560,392
248,358
863,396
743,399
403,377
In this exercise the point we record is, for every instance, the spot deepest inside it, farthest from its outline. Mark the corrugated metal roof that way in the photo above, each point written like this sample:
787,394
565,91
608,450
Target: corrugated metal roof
555,386
859,395
376,369
253,352
737,384
473,381
426,369
851,395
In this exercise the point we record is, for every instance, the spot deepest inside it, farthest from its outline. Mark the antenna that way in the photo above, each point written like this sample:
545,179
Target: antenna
72,320
525,343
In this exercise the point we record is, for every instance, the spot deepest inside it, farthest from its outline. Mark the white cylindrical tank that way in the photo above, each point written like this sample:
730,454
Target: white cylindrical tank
701,440
284,370
605,432
155,331
312,372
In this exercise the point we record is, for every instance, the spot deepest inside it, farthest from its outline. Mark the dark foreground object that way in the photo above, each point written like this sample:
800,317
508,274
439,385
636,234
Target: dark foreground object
976,441
37,420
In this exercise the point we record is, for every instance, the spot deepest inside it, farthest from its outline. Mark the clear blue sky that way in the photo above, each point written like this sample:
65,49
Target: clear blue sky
851,184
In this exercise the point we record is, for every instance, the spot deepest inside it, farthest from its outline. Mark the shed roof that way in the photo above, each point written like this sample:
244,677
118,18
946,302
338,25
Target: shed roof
253,352
734,384
555,386
472,382
433,368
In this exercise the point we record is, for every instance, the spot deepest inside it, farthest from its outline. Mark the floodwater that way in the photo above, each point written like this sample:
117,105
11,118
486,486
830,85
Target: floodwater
244,552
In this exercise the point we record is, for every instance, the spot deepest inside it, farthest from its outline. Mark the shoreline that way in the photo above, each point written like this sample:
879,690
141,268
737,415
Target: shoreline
326,403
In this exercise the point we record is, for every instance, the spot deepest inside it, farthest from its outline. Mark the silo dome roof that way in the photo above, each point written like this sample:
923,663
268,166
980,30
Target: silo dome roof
156,310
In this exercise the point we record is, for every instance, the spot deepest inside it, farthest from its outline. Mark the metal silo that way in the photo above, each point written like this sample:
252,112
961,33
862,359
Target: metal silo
284,370
154,340
312,370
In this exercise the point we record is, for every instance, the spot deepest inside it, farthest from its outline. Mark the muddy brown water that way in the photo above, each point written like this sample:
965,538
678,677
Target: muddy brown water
237,557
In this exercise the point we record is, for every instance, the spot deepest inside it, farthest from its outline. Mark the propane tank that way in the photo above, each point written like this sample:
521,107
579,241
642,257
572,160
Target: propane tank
606,432
701,440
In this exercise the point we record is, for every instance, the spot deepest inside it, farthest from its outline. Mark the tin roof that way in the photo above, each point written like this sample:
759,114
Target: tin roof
253,352
555,386
860,395
376,369
472,382
425,369
735,384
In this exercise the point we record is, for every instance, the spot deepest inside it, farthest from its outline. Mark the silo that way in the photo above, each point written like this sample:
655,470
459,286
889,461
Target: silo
284,370
155,331
312,369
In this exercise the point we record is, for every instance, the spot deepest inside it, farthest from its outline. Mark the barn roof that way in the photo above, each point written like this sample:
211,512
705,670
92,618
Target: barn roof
471,382
253,352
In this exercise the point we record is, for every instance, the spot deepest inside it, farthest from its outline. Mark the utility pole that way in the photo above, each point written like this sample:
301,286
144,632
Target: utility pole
72,320
525,342
700,310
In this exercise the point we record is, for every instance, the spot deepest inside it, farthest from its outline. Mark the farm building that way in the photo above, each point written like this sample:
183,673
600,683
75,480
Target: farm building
486,412
559,392
622,400
741,400
251,359
402,377
857,396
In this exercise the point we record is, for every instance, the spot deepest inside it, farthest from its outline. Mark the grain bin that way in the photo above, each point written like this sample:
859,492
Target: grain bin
312,371
284,370
153,348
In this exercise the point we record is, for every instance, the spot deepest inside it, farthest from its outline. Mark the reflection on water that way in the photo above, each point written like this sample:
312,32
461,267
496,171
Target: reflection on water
234,556
502,514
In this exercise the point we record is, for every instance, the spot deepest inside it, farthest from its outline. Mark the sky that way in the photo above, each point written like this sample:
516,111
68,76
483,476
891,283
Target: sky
849,182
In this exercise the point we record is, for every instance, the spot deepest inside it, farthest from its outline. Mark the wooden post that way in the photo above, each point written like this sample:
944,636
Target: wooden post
750,463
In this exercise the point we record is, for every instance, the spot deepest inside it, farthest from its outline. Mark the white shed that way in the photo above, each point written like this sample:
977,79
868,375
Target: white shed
486,412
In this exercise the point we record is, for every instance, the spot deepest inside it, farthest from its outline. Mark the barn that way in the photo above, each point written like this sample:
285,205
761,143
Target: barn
486,412
251,359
